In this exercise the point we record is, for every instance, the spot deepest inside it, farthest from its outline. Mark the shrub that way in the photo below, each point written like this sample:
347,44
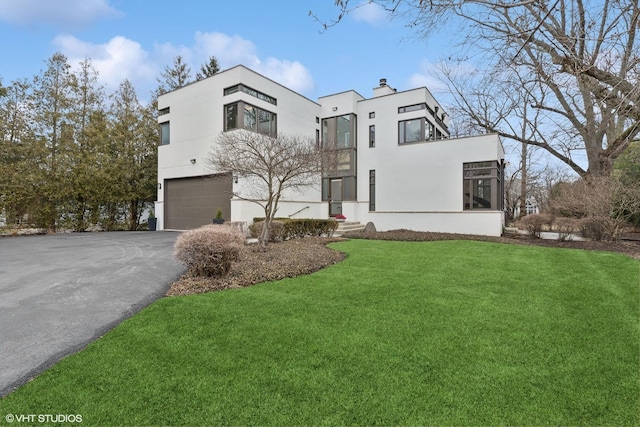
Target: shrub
298,228
276,231
209,250
535,223
295,228
565,227
593,227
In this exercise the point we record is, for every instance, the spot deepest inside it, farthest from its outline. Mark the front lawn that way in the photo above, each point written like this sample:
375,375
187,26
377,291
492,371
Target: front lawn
399,333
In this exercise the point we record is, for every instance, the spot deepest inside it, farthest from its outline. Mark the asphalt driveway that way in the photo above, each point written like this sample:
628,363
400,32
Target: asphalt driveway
60,292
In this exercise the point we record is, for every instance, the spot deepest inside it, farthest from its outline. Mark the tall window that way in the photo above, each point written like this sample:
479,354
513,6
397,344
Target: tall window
165,133
482,186
372,190
372,136
245,116
339,154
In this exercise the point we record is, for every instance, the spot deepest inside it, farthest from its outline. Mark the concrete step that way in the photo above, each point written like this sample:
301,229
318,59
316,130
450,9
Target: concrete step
345,226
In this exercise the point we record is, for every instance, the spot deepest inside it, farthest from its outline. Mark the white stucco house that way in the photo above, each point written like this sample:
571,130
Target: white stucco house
397,166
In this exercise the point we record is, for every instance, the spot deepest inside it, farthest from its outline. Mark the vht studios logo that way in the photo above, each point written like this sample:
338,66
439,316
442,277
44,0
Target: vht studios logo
43,418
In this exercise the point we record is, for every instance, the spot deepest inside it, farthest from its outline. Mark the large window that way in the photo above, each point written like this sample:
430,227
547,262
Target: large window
245,116
482,185
165,133
252,92
411,130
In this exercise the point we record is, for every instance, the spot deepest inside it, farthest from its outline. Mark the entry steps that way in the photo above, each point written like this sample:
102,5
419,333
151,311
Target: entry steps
345,226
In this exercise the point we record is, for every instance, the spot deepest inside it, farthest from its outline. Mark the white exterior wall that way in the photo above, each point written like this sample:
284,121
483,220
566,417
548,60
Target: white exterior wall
197,117
418,185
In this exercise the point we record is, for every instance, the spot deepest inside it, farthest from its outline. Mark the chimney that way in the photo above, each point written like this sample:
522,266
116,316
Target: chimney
383,89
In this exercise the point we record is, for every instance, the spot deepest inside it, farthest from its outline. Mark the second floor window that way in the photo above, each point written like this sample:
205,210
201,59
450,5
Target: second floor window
241,115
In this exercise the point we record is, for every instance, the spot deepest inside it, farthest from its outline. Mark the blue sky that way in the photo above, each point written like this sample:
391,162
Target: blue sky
136,39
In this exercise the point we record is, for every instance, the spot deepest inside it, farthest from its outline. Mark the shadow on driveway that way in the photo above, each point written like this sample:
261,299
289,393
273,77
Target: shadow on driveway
60,292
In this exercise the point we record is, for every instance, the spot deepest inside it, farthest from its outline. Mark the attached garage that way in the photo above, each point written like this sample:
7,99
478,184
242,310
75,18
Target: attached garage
193,202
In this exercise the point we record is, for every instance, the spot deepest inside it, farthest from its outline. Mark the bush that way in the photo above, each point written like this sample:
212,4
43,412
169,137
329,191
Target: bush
209,250
535,223
565,227
298,228
596,228
286,229
276,231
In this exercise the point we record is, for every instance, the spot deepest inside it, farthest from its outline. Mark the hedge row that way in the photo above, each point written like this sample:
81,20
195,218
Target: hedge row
593,227
285,228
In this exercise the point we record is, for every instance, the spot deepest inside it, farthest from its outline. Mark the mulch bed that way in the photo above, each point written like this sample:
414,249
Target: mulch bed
304,256
281,260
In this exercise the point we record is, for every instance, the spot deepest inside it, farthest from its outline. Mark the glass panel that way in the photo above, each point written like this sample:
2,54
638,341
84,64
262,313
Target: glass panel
349,188
344,160
372,136
264,122
412,130
335,206
372,190
328,132
249,117
325,189
230,90
431,131
231,117
344,131
164,133
482,193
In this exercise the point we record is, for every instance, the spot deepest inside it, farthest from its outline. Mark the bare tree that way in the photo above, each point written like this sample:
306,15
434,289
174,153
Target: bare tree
271,167
579,56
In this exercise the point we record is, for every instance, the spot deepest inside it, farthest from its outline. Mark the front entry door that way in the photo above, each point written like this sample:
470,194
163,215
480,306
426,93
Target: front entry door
335,197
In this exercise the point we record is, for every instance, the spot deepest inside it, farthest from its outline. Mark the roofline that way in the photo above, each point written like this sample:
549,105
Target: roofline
344,91
241,66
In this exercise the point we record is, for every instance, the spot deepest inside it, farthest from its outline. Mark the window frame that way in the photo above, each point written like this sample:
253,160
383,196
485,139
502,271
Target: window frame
402,131
240,87
255,121
165,125
372,136
478,179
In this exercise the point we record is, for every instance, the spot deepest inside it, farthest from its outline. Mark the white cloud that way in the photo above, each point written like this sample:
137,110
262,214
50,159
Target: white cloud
234,50
61,13
121,58
428,76
116,60
291,74
369,12
230,50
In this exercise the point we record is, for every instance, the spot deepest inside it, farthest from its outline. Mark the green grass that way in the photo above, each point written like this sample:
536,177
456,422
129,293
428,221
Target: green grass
435,333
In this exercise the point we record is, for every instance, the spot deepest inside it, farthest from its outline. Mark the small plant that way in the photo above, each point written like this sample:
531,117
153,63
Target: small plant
152,214
340,216
209,250
218,219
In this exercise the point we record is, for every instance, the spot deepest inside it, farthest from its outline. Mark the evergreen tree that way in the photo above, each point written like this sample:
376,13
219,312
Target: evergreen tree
174,76
134,137
208,69
52,100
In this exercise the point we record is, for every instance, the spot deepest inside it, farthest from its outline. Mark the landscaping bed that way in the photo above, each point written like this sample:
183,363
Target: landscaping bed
291,258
